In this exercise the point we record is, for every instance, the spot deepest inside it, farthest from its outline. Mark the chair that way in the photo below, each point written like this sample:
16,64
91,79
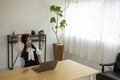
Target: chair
110,75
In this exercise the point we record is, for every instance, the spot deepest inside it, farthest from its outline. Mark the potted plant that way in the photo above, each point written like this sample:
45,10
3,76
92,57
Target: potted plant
58,25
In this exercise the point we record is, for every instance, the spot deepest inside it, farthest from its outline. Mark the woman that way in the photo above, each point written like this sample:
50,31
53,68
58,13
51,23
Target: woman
30,54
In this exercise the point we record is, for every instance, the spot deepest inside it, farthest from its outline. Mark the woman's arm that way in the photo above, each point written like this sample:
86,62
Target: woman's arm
19,45
39,53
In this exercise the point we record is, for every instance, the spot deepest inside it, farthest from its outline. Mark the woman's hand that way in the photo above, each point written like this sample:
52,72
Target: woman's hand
39,58
19,38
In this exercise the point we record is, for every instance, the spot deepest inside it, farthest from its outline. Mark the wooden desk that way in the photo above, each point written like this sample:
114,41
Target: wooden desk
65,70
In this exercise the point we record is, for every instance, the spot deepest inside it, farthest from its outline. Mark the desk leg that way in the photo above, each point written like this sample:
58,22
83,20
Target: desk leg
91,78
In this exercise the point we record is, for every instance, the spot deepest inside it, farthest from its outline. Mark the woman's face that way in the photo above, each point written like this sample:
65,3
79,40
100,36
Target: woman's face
28,42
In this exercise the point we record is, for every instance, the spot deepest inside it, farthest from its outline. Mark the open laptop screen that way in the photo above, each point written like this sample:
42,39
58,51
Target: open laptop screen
45,66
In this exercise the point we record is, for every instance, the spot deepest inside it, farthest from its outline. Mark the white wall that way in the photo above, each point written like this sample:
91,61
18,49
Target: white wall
22,16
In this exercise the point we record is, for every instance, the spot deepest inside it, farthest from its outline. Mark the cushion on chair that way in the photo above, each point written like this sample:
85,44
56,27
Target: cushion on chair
108,75
102,77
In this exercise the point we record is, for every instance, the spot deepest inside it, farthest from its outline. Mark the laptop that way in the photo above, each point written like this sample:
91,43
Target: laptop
45,66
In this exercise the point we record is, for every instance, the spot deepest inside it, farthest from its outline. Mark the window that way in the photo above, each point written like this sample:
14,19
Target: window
93,30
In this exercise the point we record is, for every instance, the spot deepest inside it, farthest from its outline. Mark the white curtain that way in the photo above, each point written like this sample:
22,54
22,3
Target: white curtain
93,30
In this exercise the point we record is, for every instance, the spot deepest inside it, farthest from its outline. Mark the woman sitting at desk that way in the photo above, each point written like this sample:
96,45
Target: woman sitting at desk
30,54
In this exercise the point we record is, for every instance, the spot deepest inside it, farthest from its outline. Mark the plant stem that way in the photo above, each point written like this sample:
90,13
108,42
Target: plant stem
53,29
60,36
57,27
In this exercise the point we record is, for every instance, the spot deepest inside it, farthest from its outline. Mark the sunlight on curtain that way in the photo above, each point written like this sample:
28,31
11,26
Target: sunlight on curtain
93,30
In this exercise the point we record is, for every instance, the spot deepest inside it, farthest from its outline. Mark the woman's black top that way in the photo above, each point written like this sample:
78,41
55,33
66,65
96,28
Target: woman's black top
24,55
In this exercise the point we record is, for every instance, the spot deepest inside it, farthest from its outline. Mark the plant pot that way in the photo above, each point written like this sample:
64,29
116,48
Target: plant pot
58,51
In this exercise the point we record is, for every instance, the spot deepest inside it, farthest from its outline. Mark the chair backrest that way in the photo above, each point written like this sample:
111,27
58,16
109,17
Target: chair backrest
117,63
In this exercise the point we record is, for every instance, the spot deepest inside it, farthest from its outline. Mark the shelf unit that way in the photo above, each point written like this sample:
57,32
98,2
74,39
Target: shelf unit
11,39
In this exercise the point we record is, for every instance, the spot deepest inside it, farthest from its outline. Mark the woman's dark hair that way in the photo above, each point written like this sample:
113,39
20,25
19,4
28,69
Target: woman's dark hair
24,39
